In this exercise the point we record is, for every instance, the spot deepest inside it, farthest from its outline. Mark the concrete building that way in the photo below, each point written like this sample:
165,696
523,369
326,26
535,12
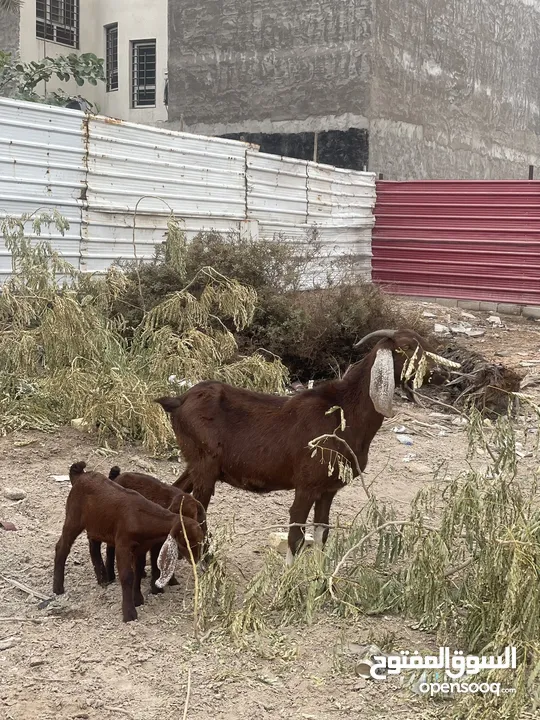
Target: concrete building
131,35
409,88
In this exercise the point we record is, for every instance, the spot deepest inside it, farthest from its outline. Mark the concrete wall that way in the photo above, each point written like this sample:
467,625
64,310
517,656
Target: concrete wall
286,66
445,88
455,91
137,20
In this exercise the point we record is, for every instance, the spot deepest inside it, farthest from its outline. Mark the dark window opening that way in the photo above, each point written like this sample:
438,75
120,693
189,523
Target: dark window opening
111,56
347,149
143,70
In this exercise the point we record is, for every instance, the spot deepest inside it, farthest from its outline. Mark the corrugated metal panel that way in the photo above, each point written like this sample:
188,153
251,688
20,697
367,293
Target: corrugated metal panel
110,236
470,240
276,190
138,175
106,176
340,197
340,203
42,166
291,197
192,175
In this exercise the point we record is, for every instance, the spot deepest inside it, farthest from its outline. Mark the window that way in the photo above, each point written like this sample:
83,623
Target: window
58,21
143,69
111,56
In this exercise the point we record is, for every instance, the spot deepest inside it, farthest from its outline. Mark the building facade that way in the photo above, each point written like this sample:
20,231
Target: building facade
408,88
412,89
130,36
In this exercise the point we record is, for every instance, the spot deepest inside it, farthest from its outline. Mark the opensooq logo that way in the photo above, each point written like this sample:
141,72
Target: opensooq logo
454,666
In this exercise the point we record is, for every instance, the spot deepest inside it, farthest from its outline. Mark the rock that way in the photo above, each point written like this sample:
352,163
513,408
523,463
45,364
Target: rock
143,464
7,525
468,316
420,469
399,429
35,662
79,423
462,329
475,333
427,314
495,320
60,478
9,642
360,684
278,541
14,494
441,329
529,380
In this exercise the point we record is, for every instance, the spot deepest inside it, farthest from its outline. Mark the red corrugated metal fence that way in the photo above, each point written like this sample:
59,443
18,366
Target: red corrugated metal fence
471,240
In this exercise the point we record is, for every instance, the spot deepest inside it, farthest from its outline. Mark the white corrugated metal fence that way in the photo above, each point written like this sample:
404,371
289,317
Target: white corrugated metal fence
117,183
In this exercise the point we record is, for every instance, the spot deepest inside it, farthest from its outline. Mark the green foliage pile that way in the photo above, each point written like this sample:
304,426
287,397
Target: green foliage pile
311,331
65,353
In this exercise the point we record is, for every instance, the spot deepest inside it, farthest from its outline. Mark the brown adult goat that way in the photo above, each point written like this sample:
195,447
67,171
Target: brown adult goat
259,442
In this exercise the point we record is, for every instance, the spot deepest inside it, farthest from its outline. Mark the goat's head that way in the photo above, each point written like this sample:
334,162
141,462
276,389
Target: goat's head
395,349
177,543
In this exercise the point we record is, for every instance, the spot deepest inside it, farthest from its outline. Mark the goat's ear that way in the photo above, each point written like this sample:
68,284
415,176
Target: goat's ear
382,383
168,555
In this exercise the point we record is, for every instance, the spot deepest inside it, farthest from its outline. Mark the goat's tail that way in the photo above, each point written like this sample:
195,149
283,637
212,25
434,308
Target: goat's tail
75,470
114,472
170,404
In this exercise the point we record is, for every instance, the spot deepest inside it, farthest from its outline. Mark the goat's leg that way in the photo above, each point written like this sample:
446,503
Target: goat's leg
139,563
124,561
298,514
321,514
204,482
69,534
184,482
111,577
97,561
154,553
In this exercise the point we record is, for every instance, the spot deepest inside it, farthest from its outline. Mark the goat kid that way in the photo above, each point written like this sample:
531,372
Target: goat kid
259,442
167,496
134,525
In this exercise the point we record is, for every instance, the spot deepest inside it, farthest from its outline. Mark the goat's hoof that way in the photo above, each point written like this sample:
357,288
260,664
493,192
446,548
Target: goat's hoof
129,615
157,591
58,590
172,581
207,559
138,599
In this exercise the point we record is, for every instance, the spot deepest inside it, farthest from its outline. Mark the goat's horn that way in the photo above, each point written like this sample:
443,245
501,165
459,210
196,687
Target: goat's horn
390,334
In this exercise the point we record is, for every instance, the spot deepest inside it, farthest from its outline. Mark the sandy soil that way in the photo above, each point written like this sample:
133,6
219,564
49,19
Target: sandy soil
78,660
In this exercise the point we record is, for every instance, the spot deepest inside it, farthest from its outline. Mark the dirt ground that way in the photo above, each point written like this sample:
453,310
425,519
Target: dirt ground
76,659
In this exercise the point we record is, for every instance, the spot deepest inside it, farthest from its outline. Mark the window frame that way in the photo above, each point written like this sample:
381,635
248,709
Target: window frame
136,86
111,58
51,30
